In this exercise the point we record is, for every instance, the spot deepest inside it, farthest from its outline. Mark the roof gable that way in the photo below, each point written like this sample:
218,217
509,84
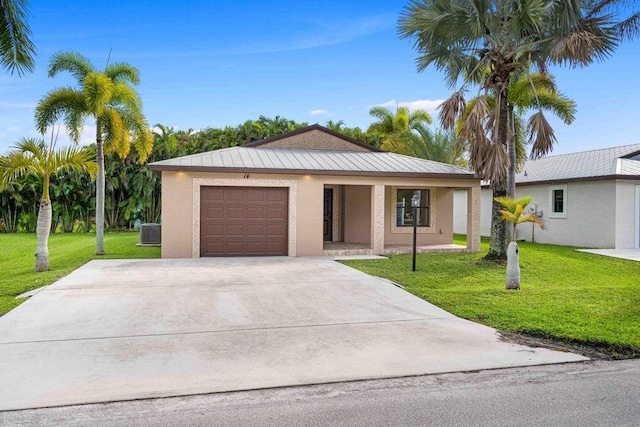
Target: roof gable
314,137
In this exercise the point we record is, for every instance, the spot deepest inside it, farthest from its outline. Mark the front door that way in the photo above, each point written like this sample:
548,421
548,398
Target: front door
327,223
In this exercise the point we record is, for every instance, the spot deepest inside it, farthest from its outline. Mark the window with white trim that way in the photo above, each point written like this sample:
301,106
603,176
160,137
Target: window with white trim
558,201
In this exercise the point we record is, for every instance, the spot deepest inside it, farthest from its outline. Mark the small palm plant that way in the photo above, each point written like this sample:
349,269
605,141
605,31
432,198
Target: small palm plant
513,212
34,157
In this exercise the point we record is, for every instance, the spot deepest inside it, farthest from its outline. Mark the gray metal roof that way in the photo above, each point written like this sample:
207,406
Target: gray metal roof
280,160
606,162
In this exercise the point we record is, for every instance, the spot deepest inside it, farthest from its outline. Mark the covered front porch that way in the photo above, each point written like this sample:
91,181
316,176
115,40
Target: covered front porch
378,219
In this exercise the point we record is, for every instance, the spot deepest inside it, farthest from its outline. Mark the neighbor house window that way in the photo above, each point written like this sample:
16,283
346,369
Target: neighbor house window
558,201
405,210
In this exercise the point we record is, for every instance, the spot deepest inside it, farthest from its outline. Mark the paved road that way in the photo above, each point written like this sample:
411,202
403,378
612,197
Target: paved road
584,394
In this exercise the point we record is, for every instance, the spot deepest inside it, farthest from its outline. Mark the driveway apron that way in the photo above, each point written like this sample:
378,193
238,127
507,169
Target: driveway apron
131,329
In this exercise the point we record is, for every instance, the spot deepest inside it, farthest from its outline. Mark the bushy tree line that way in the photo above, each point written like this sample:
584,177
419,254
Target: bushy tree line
132,190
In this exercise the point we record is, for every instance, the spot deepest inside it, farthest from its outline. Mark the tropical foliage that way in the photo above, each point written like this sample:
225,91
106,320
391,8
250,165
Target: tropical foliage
109,98
132,191
33,157
527,92
409,133
514,212
16,47
489,43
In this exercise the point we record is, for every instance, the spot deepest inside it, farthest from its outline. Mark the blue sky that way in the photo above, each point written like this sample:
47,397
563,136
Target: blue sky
206,63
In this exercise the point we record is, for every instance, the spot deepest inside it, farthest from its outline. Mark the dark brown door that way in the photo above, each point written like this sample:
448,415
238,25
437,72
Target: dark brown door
243,221
327,223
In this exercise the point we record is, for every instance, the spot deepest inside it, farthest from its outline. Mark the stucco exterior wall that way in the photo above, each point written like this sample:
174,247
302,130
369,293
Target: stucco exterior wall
357,214
593,218
309,217
180,204
626,215
177,214
460,212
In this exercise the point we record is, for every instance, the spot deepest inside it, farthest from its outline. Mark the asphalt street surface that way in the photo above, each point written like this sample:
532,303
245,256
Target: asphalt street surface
586,394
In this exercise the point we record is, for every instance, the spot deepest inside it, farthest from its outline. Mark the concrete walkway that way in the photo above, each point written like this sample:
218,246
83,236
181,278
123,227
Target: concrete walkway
130,329
630,254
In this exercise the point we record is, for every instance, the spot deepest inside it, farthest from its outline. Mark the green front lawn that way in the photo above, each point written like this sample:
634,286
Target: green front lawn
66,253
566,295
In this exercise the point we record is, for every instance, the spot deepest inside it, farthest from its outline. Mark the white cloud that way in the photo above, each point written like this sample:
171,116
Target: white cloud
419,104
13,128
319,112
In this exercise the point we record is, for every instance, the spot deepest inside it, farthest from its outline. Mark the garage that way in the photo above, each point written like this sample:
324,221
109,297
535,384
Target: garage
243,221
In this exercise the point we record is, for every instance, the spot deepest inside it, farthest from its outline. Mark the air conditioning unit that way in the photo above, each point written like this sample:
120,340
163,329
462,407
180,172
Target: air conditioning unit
150,234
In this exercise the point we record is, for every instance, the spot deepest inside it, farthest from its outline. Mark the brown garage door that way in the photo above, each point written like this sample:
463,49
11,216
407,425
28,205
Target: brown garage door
243,221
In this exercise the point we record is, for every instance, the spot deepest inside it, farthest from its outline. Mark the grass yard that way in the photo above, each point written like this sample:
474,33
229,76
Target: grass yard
567,296
66,253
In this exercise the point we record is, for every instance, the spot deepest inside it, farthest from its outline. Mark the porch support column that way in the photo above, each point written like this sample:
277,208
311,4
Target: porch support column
377,219
473,219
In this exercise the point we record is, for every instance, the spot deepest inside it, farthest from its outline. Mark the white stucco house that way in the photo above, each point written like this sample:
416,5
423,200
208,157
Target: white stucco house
589,199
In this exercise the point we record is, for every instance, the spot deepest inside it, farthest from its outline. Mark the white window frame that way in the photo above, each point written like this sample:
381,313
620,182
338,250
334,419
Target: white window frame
565,205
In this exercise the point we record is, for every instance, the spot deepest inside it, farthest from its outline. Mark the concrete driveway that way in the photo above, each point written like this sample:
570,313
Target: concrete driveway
131,329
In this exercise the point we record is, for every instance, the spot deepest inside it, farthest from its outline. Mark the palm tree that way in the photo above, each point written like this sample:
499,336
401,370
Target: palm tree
534,91
395,130
16,48
513,212
486,43
108,97
438,145
32,156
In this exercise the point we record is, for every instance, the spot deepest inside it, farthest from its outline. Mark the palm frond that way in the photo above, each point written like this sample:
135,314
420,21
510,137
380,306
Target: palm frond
73,158
628,28
28,156
125,95
16,47
72,62
533,219
116,134
475,124
562,106
523,89
451,109
121,72
66,103
98,90
513,211
419,118
541,135
595,39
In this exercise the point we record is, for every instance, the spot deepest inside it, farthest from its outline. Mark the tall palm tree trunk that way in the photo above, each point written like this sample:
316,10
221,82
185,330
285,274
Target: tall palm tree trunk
42,232
511,151
498,243
99,192
511,171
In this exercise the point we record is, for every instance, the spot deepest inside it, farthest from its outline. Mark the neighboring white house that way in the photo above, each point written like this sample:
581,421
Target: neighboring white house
588,199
